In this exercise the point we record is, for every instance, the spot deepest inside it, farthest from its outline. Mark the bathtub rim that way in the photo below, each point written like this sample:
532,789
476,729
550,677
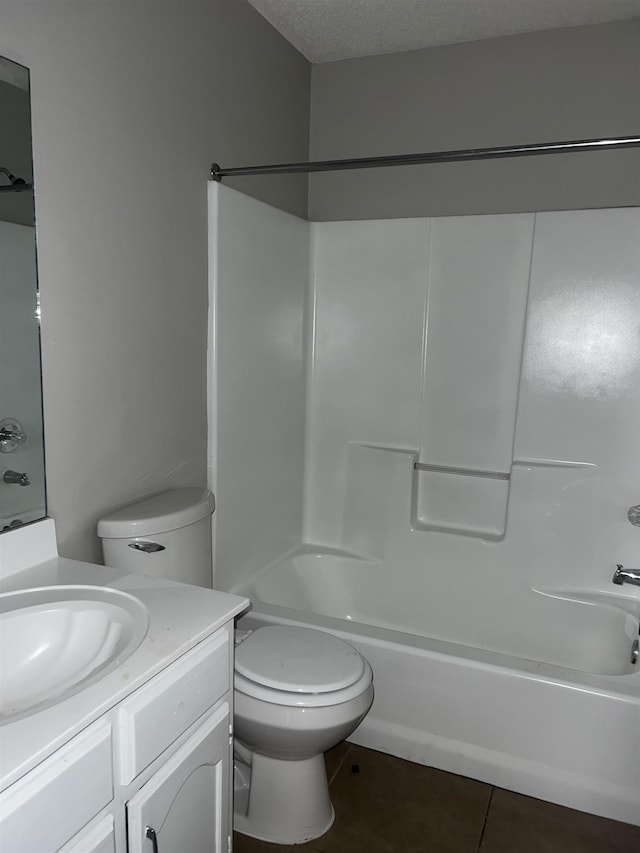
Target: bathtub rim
623,687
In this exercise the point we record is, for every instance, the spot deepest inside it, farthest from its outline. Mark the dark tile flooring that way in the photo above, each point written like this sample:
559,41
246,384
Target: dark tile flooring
387,805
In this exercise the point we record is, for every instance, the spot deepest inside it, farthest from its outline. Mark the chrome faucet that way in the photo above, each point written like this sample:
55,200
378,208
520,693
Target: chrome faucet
622,575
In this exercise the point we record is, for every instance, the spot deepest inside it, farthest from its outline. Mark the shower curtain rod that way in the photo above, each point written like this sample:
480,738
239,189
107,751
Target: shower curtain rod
218,173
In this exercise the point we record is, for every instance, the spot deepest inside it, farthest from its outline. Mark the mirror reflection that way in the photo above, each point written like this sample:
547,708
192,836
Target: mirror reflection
22,486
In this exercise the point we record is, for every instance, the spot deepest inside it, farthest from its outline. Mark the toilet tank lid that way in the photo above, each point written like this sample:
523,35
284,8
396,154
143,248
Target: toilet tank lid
158,514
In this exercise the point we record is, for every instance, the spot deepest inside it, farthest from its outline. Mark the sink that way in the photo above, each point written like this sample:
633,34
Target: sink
54,641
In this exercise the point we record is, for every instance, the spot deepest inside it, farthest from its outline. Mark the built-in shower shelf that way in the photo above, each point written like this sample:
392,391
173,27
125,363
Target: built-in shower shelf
388,448
552,463
465,472
463,501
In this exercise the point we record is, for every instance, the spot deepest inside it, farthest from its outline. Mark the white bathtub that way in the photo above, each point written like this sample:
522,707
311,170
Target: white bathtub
558,720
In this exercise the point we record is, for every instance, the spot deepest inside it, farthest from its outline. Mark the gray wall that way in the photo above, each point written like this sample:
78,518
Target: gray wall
131,102
564,84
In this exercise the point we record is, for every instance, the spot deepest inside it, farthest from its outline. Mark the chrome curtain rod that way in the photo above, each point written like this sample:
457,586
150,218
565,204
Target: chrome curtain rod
218,173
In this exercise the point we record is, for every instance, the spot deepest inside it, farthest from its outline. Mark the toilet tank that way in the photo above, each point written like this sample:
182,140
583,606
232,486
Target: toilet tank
165,536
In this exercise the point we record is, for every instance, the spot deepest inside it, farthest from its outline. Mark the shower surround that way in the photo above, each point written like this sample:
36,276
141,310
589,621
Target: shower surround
423,437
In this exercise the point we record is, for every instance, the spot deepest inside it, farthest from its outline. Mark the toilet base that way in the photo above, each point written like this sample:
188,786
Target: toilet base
287,803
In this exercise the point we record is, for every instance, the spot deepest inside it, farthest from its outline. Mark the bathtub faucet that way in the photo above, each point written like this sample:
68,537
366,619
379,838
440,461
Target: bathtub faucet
622,575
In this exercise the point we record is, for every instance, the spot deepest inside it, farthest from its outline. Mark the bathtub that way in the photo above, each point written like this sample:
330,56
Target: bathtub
559,719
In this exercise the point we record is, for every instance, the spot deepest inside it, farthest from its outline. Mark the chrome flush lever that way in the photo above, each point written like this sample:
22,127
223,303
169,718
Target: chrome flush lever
147,547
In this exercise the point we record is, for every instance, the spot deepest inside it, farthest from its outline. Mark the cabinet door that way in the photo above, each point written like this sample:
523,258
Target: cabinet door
185,806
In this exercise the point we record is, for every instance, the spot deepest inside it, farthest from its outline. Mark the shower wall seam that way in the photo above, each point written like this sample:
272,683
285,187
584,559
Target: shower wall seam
309,345
425,329
523,342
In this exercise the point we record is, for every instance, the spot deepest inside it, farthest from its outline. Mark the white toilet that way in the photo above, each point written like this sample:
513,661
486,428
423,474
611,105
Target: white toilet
298,691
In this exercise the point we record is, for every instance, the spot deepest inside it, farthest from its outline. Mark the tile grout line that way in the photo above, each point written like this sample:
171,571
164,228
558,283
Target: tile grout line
486,818
333,776
340,763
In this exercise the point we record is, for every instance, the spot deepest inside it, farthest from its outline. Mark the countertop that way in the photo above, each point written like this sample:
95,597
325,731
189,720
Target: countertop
180,616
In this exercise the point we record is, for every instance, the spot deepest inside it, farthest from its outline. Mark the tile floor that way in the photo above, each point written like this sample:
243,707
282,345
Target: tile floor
387,805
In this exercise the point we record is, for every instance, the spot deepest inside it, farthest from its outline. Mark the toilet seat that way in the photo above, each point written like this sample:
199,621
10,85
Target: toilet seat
249,688
288,665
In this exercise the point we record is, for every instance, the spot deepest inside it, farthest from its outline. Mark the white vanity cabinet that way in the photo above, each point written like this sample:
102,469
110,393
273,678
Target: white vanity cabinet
154,773
41,811
184,807
101,838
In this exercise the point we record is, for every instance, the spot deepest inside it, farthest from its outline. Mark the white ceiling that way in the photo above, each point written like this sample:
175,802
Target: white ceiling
327,30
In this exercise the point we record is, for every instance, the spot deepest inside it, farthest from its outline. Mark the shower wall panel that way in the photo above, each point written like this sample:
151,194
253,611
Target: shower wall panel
259,259
428,350
477,297
579,402
391,418
477,286
366,365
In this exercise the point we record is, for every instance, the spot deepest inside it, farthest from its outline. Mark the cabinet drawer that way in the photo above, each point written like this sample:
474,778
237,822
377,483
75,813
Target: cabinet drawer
158,713
52,803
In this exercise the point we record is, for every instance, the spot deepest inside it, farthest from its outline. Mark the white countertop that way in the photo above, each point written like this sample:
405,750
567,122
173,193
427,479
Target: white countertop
180,616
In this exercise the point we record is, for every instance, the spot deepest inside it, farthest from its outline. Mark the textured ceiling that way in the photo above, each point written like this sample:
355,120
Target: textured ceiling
326,30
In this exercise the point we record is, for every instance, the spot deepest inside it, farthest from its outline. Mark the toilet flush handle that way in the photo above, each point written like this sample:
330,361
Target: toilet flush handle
146,547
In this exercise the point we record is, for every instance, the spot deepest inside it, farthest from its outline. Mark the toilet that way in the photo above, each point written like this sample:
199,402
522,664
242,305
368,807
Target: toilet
297,691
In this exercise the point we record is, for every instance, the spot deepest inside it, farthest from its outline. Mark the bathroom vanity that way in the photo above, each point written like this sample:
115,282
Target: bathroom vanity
137,755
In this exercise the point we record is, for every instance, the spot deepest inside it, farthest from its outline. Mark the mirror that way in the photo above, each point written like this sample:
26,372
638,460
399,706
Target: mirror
22,484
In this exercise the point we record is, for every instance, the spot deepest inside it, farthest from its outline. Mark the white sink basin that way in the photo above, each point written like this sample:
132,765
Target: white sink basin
55,640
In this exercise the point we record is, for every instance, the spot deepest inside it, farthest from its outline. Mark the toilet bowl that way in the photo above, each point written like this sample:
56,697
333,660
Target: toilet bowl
298,692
